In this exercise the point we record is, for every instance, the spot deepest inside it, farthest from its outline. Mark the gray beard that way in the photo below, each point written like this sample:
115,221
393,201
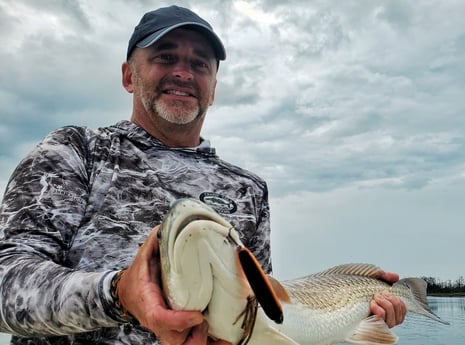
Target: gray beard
171,113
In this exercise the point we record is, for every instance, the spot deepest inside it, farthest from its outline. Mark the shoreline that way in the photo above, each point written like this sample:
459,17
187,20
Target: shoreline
447,294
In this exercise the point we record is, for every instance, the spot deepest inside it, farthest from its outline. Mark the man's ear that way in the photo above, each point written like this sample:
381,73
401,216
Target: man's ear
126,70
212,96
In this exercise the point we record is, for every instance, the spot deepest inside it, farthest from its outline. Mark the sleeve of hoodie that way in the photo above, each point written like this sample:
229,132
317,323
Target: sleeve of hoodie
43,206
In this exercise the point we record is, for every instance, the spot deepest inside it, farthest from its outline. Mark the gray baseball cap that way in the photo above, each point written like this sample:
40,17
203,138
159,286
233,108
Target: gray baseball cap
155,24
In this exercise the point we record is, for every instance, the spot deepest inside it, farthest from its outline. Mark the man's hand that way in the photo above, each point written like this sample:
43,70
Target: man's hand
140,294
199,335
388,307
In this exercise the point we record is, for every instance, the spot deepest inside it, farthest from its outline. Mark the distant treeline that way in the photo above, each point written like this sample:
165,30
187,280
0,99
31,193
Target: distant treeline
449,287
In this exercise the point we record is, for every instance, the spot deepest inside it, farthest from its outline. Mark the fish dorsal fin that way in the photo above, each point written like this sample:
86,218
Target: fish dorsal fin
364,270
279,290
372,331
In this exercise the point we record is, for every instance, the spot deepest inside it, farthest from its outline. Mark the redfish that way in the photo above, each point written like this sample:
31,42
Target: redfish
202,269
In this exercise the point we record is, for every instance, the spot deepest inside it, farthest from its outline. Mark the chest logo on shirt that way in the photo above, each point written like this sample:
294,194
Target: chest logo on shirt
220,203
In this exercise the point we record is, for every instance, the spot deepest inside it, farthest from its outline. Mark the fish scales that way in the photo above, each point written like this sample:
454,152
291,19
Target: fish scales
332,291
325,308
319,326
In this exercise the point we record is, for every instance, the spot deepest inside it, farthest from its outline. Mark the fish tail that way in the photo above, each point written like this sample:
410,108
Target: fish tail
417,287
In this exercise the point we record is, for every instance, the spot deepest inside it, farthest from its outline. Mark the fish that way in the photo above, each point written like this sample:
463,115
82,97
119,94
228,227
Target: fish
206,267
201,270
333,306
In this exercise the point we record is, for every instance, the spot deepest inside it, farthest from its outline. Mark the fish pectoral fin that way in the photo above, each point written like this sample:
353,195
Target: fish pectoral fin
279,289
260,284
373,331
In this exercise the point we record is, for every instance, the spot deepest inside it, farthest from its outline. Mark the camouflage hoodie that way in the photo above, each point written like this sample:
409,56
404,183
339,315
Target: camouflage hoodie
76,210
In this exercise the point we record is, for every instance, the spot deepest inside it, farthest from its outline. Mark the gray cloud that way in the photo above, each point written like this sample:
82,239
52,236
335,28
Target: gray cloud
358,102
357,96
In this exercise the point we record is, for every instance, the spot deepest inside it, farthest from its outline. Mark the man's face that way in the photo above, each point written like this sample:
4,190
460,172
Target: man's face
175,78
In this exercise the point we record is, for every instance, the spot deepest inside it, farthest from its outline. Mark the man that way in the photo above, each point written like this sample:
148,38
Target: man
78,251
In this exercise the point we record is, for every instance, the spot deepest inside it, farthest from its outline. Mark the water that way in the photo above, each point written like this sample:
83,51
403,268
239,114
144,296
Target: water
418,330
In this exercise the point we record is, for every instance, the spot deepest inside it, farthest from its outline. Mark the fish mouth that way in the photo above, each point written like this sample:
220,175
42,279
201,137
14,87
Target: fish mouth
182,213
182,225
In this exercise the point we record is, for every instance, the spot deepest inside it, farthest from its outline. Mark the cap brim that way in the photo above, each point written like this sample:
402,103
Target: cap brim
213,38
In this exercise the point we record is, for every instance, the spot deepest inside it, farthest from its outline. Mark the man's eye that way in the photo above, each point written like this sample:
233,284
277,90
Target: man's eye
200,64
166,58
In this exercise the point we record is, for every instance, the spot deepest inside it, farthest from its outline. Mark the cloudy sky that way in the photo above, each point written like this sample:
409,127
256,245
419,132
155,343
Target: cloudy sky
353,111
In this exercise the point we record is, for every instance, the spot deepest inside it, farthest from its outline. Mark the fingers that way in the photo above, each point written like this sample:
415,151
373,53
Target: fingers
388,307
389,277
149,252
173,337
174,320
139,291
198,335
218,342
149,249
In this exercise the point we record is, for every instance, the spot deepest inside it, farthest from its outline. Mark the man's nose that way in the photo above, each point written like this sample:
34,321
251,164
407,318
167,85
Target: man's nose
183,71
